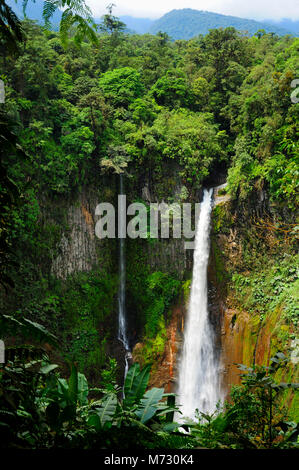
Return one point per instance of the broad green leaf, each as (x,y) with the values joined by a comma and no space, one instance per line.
(63,390)
(135,384)
(94,421)
(82,389)
(107,409)
(27,328)
(48,368)
(170,427)
(41,331)
(147,408)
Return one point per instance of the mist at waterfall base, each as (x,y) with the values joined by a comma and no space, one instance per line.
(199,384)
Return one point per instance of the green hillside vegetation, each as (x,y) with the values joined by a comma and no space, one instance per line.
(80,109)
(187,23)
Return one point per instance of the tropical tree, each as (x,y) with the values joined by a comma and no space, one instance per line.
(76,19)
(121,86)
(10,27)
(111,24)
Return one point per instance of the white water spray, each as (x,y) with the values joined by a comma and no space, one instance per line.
(199,369)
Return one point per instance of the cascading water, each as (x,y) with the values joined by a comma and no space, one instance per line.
(199,369)
(122,321)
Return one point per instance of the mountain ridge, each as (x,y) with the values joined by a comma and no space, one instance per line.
(182,23)
(187,23)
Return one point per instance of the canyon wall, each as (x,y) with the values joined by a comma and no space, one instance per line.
(245,335)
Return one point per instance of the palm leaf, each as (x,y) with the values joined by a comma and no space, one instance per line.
(82,27)
(27,328)
(48,368)
(24,5)
(63,391)
(76,19)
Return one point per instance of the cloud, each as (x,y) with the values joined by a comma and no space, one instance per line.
(253,9)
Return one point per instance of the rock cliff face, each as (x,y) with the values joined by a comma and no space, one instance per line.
(78,245)
(249,337)
(165,370)
(80,251)
(247,340)
(243,337)
(170,255)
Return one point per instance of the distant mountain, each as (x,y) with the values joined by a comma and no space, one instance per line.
(287,24)
(139,25)
(187,23)
(178,24)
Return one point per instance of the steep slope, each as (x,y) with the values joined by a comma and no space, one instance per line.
(187,23)
(253,272)
(253,297)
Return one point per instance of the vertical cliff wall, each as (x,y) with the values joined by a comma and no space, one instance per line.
(87,270)
(77,250)
(253,288)
(253,274)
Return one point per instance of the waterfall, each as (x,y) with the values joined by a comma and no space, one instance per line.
(198,386)
(122,321)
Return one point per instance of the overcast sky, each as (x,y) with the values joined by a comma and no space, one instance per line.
(253,9)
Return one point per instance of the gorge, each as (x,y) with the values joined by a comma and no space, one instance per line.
(105,336)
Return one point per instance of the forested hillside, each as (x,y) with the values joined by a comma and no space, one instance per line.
(172,118)
(178,24)
(187,23)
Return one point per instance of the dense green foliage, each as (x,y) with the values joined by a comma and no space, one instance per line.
(153,308)
(253,418)
(266,291)
(130,103)
(172,114)
(40,409)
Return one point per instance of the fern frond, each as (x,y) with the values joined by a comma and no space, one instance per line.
(49,9)
(76,19)
(24,6)
(82,28)
(65,25)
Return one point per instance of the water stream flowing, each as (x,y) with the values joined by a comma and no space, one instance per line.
(198,386)
(122,320)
